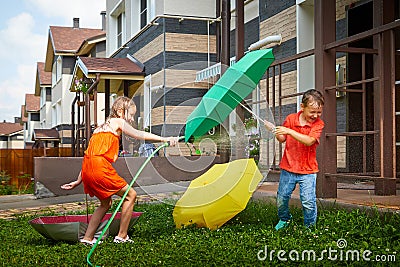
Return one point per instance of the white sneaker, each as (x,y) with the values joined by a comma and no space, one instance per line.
(89,243)
(118,239)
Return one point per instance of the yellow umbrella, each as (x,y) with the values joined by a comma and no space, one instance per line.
(218,195)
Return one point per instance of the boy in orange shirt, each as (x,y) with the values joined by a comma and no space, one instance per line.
(301,132)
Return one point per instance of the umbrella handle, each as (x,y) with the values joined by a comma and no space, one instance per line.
(258,117)
(122,200)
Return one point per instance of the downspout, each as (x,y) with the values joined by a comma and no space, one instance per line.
(218,30)
(87,109)
(224,150)
(225,34)
(163,132)
(78,133)
(73,124)
(239,53)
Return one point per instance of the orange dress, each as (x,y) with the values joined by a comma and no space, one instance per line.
(99,177)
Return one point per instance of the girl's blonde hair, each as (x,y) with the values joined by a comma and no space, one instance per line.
(121,103)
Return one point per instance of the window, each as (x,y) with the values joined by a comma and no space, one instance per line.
(35,116)
(42,97)
(48,94)
(45,96)
(54,74)
(143,13)
(119,30)
(59,68)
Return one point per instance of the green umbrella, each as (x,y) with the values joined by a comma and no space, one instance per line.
(235,85)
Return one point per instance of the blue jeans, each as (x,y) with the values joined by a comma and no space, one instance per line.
(287,184)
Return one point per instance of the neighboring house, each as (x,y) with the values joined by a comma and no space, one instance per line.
(45,138)
(11,135)
(43,90)
(63,47)
(32,110)
(111,77)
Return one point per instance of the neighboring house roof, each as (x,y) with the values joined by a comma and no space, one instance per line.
(45,134)
(67,41)
(125,66)
(89,43)
(114,69)
(24,116)
(32,103)
(43,78)
(10,128)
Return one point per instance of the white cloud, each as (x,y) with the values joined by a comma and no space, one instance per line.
(20,49)
(18,43)
(88,11)
(13,91)
(23,44)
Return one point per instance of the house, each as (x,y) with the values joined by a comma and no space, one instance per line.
(164,36)
(64,45)
(11,135)
(32,110)
(43,90)
(323,46)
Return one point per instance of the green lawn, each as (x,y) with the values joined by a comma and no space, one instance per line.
(247,240)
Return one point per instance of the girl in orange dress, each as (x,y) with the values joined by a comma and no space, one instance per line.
(98,175)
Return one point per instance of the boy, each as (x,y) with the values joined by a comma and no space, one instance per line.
(301,132)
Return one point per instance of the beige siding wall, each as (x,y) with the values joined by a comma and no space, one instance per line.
(183,78)
(175,115)
(150,50)
(176,42)
(341,152)
(190,43)
(288,87)
(283,23)
(178,78)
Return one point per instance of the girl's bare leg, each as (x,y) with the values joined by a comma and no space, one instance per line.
(96,218)
(127,209)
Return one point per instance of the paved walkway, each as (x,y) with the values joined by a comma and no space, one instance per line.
(360,195)
(349,196)
(18,205)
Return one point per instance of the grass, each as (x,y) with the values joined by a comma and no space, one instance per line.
(246,240)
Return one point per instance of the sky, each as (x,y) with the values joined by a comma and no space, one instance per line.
(24,28)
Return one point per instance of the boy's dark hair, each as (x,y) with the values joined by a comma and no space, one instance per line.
(313,95)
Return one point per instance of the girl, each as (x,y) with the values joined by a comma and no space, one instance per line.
(98,175)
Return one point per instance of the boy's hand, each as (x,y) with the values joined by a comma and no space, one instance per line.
(280,130)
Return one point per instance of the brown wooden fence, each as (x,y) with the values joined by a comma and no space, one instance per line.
(18,163)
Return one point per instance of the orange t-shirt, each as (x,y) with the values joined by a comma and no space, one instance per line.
(297,157)
(99,177)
